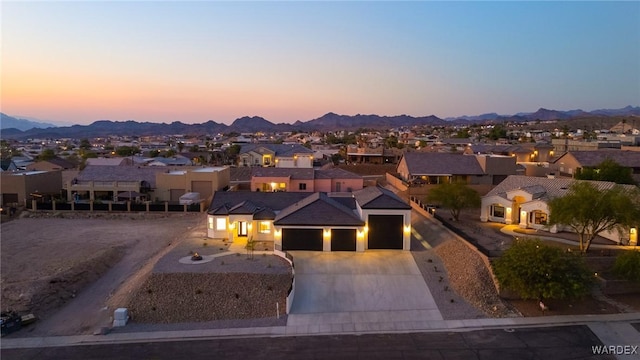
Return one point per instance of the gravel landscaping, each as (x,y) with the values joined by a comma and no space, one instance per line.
(458,279)
(232,286)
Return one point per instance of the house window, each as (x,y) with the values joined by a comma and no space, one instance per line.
(210,223)
(497,211)
(264,227)
(221,224)
(539,218)
(302,186)
(266,160)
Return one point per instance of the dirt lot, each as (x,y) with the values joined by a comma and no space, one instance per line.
(46,262)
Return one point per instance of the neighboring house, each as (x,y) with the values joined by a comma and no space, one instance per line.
(365,155)
(111,183)
(275,155)
(526,152)
(114,161)
(563,145)
(523,200)
(304,180)
(371,218)
(177,160)
(18,187)
(574,161)
(51,165)
(8,165)
(170,185)
(437,168)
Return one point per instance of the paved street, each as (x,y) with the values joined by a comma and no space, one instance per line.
(567,342)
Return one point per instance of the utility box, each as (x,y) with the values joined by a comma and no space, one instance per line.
(120,317)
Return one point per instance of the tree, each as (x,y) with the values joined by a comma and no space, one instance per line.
(589,211)
(455,197)
(126,150)
(463,134)
(627,266)
(85,144)
(47,154)
(180,145)
(194,148)
(608,170)
(497,132)
(537,271)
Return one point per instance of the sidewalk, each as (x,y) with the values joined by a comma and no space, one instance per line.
(328,325)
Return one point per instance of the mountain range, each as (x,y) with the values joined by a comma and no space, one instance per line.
(14,128)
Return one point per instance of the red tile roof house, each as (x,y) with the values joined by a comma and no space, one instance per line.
(272,179)
(522,200)
(370,218)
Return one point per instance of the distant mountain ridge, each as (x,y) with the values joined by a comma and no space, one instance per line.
(327,122)
(8,122)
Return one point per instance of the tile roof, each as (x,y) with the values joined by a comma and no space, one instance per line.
(245,207)
(65,164)
(284,150)
(240,174)
(432,163)
(374,197)
(593,158)
(116,161)
(335,173)
(274,201)
(543,188)
(293,173)
(120,173)
(318,209)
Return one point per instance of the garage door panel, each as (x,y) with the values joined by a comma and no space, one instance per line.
(302,239)
(385,231)
(343,240)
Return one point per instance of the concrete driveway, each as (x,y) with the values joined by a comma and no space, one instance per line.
(348,287)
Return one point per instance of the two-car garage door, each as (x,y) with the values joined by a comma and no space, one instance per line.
(311,239)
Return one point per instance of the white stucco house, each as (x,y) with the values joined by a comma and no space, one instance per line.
(523,201)
(371,218)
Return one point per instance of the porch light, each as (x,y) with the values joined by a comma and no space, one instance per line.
(360,234)
(632,231)
(366,229)
(508,211)
(277,232)
(523,214)
(327,233)
(232,225)
(273,186)
(250,226)
(407,229)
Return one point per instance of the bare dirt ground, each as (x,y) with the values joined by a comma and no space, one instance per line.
(67,270)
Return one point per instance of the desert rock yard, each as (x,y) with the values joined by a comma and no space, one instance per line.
(229,286)
(47,261)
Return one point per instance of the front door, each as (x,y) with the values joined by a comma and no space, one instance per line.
(242,228)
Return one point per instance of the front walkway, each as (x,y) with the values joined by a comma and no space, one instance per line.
(510,230)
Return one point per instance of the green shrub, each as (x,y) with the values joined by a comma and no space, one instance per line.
(627,266)
(537,271)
